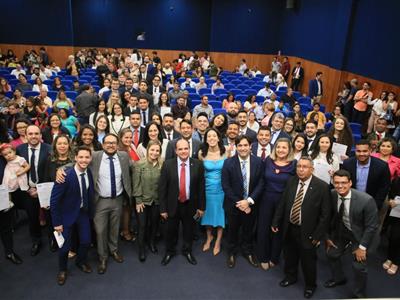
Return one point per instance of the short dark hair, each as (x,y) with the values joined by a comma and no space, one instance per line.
(263,127)
(110,134)
(201,114)
(168,115)
(185,121)
(135,112)
(242,137)
(342,173)
(363,142)
(181,139)
(83,148)
(312,122)
(318,73)
(234,122)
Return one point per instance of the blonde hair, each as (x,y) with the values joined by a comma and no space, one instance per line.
(110,103)
(152,143)
(290,155)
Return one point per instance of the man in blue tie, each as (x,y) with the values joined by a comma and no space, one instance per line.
(71,205)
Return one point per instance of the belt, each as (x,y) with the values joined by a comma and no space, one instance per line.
(110,197)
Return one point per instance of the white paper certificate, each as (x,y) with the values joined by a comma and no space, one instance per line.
(339,150)
(4,198)
(44,193)
(322,172)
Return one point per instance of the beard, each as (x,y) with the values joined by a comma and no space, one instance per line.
(232,114)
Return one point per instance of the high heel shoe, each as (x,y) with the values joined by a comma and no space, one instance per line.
(207,245)
(216,250)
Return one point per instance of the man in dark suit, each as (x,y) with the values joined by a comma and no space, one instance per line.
(262,147)
(132,105)
(288,97)
(354,228)
(368,174)
(142,93)
(242,182)
(297,76)
(186,128)
(155,89)
(311,132)
(71,205)
(145,111)
(182,199)
(242,119)
(85,103)
(127,87)
(168,131)
(277,122)
(144,75)
(315,89)
(303,218)
(36,154)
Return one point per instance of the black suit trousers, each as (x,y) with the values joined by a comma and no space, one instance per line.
(295,84)
(22,200)
(293,252)
(184,214)
(239,220)
(6,233)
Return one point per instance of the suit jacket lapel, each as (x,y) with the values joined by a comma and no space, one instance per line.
(252,173)
(238,167)
(310,190)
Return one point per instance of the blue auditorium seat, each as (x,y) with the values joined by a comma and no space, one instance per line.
(251,92)
(236,91)
(52,95)
(220,91)
(31,94)
(241,97)
(355,128)
(219,111)
(243,86)
(211,97)
(190,90)
(71,94)
(194,96)
(204,91)
(229,86)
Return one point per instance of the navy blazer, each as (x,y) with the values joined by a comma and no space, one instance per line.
(313,88)
(378,182)
(65,201)
(281,135)
(45,150)
(232,181)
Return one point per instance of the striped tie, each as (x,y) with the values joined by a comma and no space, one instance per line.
(296,208)
(244,175)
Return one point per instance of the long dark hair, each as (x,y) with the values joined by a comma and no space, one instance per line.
(146,137)
(97,110)
(204,147)
(316,150)
(113,113)
(222,129)
(345,136)
(304,137)
(95,142)
(107,130)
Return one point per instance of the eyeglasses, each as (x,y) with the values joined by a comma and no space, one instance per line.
(110,143)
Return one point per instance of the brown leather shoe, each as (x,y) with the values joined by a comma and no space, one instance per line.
(102,266)
(252,260)
(117,257)
(85,268)
(61,278)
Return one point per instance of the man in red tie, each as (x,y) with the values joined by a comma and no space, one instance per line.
(182,199)
(262,147)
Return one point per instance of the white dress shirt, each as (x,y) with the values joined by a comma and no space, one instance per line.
(78,173)
(247,165)
(104,179)
(267,150)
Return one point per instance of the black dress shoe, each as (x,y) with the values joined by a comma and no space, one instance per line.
(117,257)
(14,258)
(286,282)
(53,246)
(102,267)
(153,248)
(190,258)
(85,268)
(142,255)
(252,260)
(231,261)
(61,278)
(167,258)
(35,249)
(309,292)
(332,283)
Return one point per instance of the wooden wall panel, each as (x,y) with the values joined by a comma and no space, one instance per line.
(333,79)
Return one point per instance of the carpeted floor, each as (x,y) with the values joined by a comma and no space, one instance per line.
(209,279)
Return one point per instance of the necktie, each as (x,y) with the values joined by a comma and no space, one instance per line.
(136,137)
(84,192)
(182,184)
(263,153)
(342,216)
(112,176)
(244,175)
(169,136)
(296,208)
(144,117)
(33,166)
(379,136)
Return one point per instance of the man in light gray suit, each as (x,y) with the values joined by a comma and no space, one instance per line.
(186,129)
(111,171)
(354,227)
(112,177)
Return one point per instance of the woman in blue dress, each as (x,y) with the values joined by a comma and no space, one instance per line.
(213,155)
(279,168)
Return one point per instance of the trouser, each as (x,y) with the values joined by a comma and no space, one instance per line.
(6,234)
(148,219)
(295,84)
(358,116)
(394,240)
(344,245)
(269,244)
(237,220)
(106,222)
(49,223)
(348,110)
(293,252)
(184,214)
(83,225)
(22,200)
